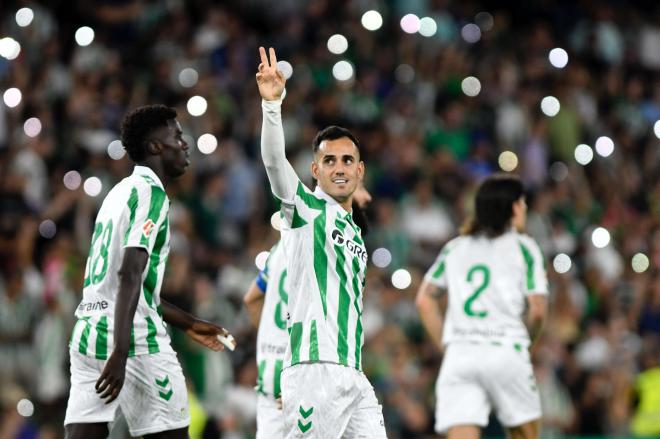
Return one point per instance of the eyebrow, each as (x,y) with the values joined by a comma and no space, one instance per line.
(344,156)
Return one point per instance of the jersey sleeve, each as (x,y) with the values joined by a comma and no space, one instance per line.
(535,279)
(146,213)
(302,209)
(437,274)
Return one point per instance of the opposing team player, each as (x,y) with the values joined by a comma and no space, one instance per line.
(497,289)
(120,351)
(324,392)
(266,302)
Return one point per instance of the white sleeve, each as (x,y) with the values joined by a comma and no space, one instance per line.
(535,277)
(282,177)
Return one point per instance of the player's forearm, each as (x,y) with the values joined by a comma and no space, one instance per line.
(273,152)
(127,301)
(433,322)
(175,316)
(254,303)
(534,327)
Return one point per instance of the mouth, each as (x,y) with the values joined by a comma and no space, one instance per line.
(340,180)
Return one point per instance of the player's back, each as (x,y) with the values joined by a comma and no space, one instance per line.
(488,280)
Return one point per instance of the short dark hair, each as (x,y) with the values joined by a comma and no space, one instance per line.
(138,126)
(493,205)
(333,132)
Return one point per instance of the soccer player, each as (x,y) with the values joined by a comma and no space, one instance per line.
(324,392)
(497,287)
(266,304)
(120,351)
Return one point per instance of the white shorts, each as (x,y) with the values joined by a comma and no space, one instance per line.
(475,378)
(329,401)
(154,397)
(270,419)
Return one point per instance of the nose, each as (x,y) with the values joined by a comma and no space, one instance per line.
(184,145)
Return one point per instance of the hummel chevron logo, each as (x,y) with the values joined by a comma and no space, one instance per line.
(306,413)
(166,396)
(163,384)
(304,427)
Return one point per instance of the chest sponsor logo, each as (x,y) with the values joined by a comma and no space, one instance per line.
(147,228)
(353,247)
(93,306)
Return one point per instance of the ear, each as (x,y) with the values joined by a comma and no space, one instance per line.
(154,147)
(315,170)
(360,170)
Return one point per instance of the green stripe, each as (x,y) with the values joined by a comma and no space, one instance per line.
(295,337)
(343,305)
(441,268)
(529,261)
(260,377)
(313,343)
(151,336)
(358,327)
(156,205)
(151,280)
(132,207)
(276,379)
(102,338)
(82,346)
(309,199)
(131,346)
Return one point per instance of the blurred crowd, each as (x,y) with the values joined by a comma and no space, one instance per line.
(426,144)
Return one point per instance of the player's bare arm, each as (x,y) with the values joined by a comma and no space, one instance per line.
(203,332)
(111,380)
(254,303)
(537,310)
(430,311)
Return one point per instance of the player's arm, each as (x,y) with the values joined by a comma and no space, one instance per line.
(282,177)
(203,332)
(111,380)
(537,310)
(254,302)
(428,302)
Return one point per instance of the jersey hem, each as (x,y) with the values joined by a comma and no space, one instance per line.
(160,428)
(322,362)
(88,420)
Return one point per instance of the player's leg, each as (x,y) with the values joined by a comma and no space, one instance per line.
(270,419)
(464,432)
(84,431)
(528,430)
(154,399)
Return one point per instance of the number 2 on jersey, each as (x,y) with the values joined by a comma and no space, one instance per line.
(99,255)
(467,306)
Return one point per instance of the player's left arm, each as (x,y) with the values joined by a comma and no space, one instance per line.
(536,288)
(537,310)
(203,332)
(428,302)
(254,302)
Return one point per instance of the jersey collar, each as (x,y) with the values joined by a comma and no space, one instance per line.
(147,171)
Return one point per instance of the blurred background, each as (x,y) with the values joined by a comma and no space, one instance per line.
(441,93)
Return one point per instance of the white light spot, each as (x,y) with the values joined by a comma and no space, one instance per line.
(9,48)
(286,68)
(381,257)
(484,20)
(188,77)
(401,279)
(261,259)
(558,57)
(24,17)
(600,237)
(116,150)
(640,263)
(47,229)
(471,86)
(92,186)
(12,97)
(562,263)
(404,73)
(32,127)
(471,33)
(84,36)
(72,180)
(337,44)
(207,143)
(583,154)
(508,161)
(25,408)
(604,146)
(656,128)
(342,71)
(276,220)
(372,20)
(550,106)
(558,171)
(427,27)
(196,106)
(410,23)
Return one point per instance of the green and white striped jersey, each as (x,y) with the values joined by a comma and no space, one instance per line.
(488,281)
(272,336)
(133,214)
(326,266)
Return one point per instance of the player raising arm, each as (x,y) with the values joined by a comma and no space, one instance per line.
(324,392)
(497,288)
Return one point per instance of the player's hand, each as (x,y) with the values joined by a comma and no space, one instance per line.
(270,80)
(206,334)
(111,380)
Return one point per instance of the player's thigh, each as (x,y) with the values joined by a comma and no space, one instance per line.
(366,421)
(84,405)
(317,400)
(85,431)
(181,433)
(512,386)
(464,432)
(460,397)
(270,419)
(154,398)
(528,430)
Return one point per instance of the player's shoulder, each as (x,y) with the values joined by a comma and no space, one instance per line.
(526,242)
(455,243)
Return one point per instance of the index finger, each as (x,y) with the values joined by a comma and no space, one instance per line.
(262,54)
(273,58)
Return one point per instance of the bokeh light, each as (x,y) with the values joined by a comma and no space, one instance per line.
(600,237)
(604,146)
(656,128)
(342,70)
(404,73)
(25,408)
(381,257)
(207,143)
(558,57)
(427,27)
(550,106)
(471,86)
(286,68)
(84,36)
(471,33)
(372,20)
(401,279)
(196,106)
(72,180)
(24,17)
(508,161)
(92,186)
(640,263)
(188,77)
(9,48)
(410,23)
(47,229)
(558,171)
(276,220)
(32,127)
(562,263)
(337,44)
(116,150)
(484,20)
(583,154)
(12,97)
(261,259)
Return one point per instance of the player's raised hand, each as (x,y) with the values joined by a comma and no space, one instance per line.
(270,80)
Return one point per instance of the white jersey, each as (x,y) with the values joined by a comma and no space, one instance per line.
(272,336)
(133,214)
(488,281)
